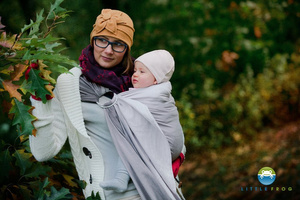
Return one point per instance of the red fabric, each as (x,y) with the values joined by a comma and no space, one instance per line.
(177,163)
(48,97)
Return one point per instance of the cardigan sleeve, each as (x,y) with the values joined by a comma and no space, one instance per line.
(51,129)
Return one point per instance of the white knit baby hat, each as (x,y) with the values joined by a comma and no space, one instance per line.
(161,64)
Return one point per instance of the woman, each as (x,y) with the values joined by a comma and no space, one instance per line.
(74,113)
(106,61)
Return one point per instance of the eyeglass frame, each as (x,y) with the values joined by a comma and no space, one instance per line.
(110,43)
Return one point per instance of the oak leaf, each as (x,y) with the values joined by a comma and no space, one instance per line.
(10,42)
(22,116)
(22,160)
(45,73)
(15,73)
(12,89)
(36,85)
(18,71)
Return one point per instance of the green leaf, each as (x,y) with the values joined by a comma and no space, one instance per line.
(55,8)
(63,69)
(22,160)
(34,26)
(40,195)
(61,194)
(26,87)
(56,58)
(81,183)
(65,155)
(94,197)
(37,170)
(22,116)
(26,27)
(38,85)
(49,47)
(40,43)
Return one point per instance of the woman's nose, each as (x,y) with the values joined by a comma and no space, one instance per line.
(109,49)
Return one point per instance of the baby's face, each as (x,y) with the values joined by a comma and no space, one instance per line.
(142,77)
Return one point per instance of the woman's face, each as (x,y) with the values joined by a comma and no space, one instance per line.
(142,76)
(107,57)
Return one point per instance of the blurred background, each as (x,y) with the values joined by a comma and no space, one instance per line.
(236,85)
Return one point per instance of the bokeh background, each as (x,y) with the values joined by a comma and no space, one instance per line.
(236,85)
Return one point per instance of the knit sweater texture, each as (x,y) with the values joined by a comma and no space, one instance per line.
(62,118)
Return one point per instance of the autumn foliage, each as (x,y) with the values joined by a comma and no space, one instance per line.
(27,62)
(236,86)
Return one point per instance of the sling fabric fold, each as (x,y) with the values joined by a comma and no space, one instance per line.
(137,121)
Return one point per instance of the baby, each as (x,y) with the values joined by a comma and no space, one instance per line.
(153,69)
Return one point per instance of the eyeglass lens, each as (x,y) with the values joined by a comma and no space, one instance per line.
(116,46)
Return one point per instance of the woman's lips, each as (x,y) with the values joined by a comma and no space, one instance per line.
(106,59)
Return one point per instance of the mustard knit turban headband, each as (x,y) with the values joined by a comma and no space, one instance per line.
(114,23)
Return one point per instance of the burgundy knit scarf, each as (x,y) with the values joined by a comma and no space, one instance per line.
(112,78)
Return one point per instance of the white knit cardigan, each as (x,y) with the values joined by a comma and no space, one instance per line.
(62,118)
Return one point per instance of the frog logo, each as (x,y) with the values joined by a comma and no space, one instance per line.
(266,175)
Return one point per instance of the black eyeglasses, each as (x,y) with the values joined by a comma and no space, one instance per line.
(116,46)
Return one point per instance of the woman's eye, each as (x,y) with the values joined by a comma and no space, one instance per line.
(102,40)
(118,44)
